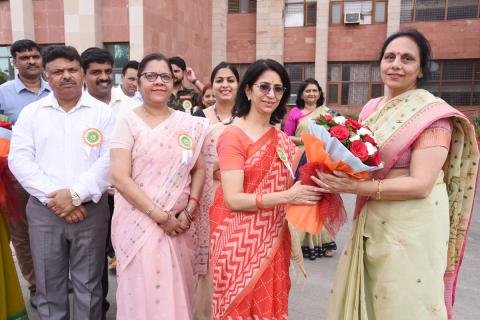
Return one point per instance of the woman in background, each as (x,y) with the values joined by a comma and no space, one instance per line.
(206,99)
(310,105)
(225,80)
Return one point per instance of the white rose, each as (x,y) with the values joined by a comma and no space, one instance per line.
(371,149)
(339,119)
(355,137)
(364,131)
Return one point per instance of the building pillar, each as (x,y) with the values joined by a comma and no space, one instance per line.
(136,32)
(321,43)
(219,31)
(83,23)
(21,17)
(270,30)
(393,23)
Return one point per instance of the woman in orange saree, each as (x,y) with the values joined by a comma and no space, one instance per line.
(250,241)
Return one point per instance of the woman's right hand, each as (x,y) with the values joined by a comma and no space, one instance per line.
(304,195)
(168,222)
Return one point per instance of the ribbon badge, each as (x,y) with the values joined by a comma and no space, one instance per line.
(186,143)
(282,156)
(92,137)
(187,105)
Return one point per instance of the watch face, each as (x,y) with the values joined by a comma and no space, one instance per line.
(76,202)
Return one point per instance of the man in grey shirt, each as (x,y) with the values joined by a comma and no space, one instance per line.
(28,86)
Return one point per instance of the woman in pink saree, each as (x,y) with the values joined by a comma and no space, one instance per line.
(158,171)
(411,220)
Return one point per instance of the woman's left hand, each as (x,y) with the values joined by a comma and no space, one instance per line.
(184,221)
(338,182)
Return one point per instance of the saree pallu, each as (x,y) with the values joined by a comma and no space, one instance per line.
(403,257)
(155,271)
(250,251)
(12,306)
(303,122)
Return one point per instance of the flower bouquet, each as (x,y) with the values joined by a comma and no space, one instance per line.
(335,143)
(8,196)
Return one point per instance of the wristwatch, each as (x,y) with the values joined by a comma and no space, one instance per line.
(76,201)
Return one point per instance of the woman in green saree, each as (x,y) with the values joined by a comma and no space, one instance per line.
(309,105)
(403,256)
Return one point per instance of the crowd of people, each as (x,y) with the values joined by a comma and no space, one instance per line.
(182,190)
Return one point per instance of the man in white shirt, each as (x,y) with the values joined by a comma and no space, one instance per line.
(60,155)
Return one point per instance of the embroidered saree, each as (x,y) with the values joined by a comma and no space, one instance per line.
(250,251)
(155,272)
(402,258)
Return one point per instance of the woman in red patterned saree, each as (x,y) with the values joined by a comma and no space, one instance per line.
(250,241)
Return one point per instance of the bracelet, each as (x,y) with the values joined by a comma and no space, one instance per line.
(194,200)
(150,211)
(188,215)
(378,195)
(169,216)
(259,201)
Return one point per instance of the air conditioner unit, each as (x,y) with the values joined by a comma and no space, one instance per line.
(352,18)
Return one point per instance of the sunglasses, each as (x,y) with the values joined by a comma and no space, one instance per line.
(265,88)
(152,76)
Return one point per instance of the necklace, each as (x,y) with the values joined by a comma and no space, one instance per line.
(218,117)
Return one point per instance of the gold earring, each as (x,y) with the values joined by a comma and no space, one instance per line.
(420,76)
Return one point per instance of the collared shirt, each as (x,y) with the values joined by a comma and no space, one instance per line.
(14,96)
(121,103)
(52,149)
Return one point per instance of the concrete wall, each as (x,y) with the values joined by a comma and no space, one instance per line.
(49,21)
(5,23)
(299,44)
(115,26)
(241,37)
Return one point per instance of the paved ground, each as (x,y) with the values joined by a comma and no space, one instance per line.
(308,298)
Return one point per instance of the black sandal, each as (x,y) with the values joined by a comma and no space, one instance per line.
(319,252)
(312,254)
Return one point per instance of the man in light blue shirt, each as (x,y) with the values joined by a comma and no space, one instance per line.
(27,87)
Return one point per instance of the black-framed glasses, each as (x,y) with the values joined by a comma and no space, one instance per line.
(152,76)
(265,87)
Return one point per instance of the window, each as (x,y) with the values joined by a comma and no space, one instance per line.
(120,53)
(353,83)
(298,72)
(430,10)
(242,6)
(241,68)
(368,11)
(6,66)
(299,13)
(455,81)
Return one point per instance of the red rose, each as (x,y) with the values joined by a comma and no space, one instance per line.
(374,159)
(354,124)
(328,117)
(368,138)
(359,150)
(340,132)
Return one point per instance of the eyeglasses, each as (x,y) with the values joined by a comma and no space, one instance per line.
(265,88)
(152,76)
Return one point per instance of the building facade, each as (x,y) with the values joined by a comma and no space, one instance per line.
(335,41)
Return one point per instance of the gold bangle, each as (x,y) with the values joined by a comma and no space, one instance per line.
(378,195)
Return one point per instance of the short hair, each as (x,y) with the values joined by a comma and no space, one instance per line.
(132,64)
(60,51)
(156,56)
(224,65)
(300,102)
(423,48)
(22,46)
(254,71)
(178,62)
(95,55)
